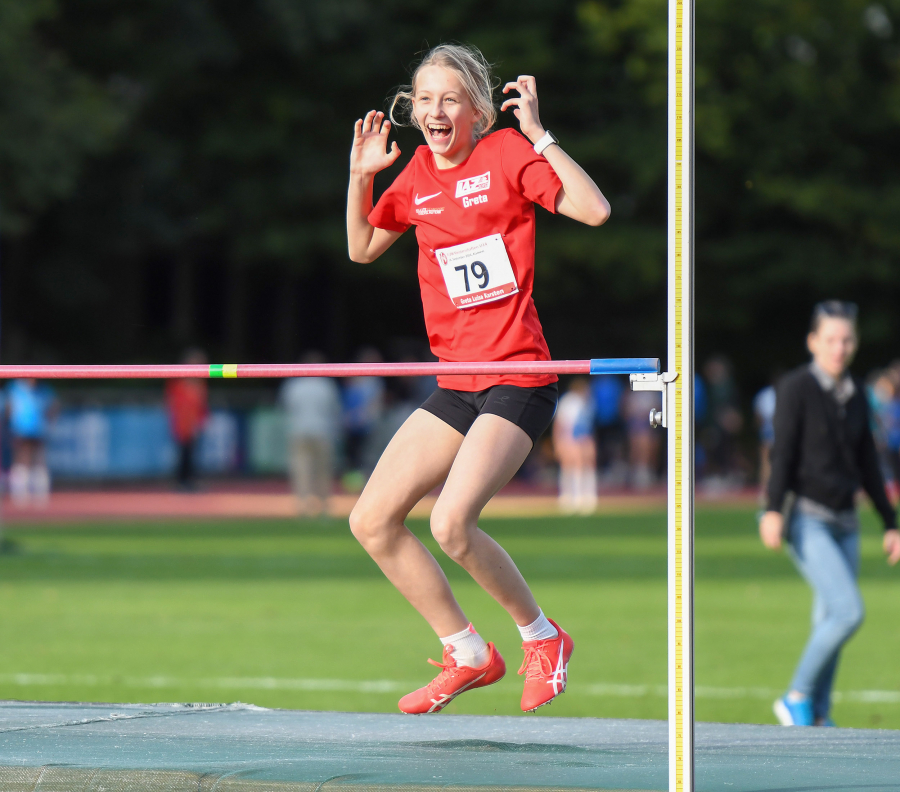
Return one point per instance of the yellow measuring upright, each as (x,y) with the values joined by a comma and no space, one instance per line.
(680,394)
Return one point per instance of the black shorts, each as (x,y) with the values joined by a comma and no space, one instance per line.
(531,409)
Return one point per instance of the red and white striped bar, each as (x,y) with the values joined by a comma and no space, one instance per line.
(281,370)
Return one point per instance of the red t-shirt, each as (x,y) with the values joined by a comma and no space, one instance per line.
(492,192)
(186,400)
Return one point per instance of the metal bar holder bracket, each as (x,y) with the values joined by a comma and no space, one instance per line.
(655,382)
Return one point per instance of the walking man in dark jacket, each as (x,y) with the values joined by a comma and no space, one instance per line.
(823,453)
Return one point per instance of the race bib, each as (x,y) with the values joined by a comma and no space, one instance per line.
(477,272)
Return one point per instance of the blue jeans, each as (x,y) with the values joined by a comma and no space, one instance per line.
(827,555)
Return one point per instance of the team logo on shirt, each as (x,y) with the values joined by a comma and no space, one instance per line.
(431,210)
(420,201)
(473,184)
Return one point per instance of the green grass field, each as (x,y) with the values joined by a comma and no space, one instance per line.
(293,614)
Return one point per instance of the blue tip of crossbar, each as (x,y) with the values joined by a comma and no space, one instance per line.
(625,366)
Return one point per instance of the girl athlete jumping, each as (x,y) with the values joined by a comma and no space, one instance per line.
(471,196)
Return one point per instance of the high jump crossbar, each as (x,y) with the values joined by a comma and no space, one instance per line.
(637,366)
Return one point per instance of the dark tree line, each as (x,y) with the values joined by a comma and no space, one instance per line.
(173,172)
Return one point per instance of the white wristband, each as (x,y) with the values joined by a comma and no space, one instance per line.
(547,140)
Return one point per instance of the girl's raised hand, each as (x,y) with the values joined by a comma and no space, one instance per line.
(370,153)
(526,106)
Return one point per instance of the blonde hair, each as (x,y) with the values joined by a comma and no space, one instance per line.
(474,73)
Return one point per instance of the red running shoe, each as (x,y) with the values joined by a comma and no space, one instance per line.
(545,667)
(452,681)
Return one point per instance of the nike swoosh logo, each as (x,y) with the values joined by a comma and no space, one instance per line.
(420,201)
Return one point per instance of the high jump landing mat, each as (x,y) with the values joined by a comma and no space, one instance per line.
(241,748)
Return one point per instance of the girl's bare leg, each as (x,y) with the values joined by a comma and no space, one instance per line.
(416,461)
(491,453)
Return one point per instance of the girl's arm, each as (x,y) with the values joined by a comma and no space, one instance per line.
(368,156)
(580,198)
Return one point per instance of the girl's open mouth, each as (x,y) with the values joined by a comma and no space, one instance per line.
(438,132)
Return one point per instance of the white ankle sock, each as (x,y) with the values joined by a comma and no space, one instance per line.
(567,491)
(539,630)
(40,483)
(587,490)
(468,648)
(18,484)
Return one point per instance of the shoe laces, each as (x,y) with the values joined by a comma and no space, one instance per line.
(448,668)
(537,662)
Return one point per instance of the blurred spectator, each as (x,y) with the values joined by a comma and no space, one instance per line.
(30,406)
(701,402)
(880,393)
(700,408)
(723,423)
(400,399)
(363,407)
(575,449)
(313,409)
(892,430)
(186,400)
(610,428)
(415,389)
(764,412)
(643,439)
(884,401)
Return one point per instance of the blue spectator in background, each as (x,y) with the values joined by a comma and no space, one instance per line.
(363,407)
(884,402)
(30,407)
(701,402)
(610,427)
(892,436)
(573,442)
(700,408)
(764,412)
(722,425)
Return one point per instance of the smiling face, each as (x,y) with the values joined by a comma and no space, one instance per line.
(445,114)
(833,345)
